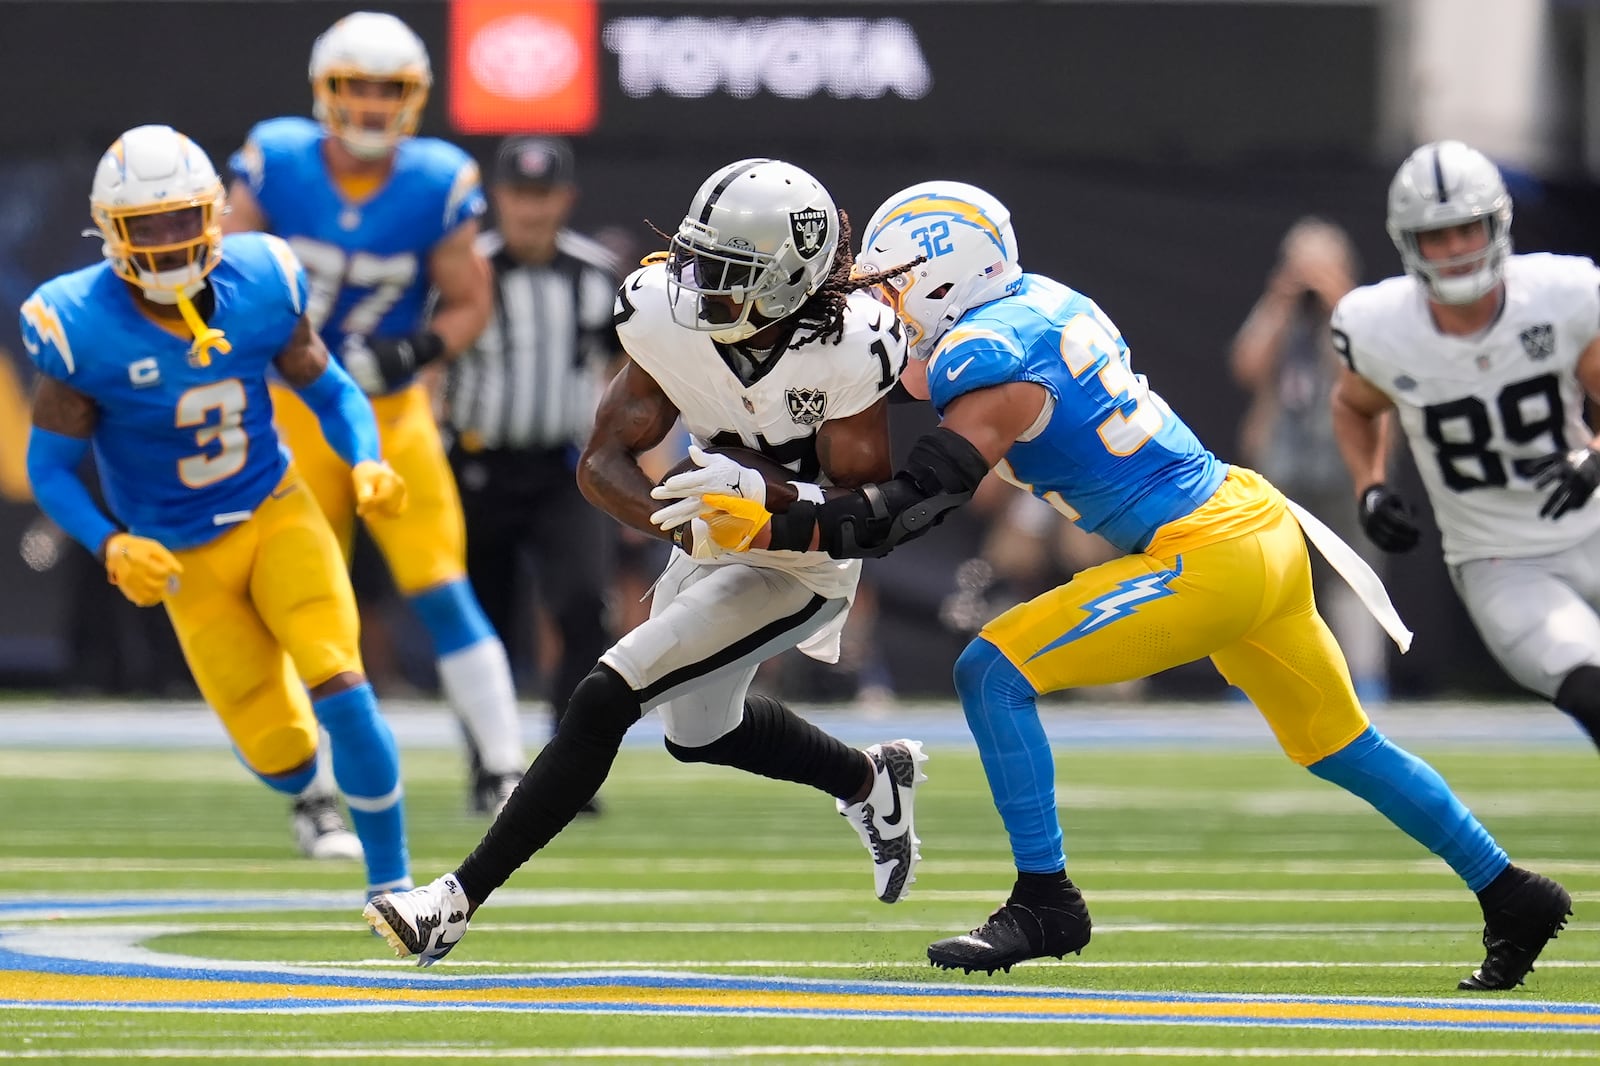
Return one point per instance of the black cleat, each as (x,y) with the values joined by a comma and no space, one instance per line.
(1530,916)
(489,792)
(1017,932)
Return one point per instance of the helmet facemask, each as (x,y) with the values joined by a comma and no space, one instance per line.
(1443,283)
(369,115)
(165,249)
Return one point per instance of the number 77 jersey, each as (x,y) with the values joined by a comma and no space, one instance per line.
(1480,412)
(1106,452)
(366,258)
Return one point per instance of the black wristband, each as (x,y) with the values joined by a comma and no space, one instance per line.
(426,346)
(791,530)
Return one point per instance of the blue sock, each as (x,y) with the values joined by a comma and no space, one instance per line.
(367,767)
(290,784)
(1413,796)
(452,617)
(1003,714)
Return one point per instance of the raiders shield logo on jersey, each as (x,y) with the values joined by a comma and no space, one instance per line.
(810,229)
(1539,341)
(806,406)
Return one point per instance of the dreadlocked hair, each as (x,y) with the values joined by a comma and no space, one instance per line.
(827,304)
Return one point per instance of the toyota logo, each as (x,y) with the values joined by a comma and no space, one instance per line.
(523,57)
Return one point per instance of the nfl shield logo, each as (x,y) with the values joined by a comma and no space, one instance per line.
(1539,341)
(806,406)
(810,230)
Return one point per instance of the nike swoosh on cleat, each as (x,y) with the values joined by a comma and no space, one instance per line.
(955,371)
(893,817)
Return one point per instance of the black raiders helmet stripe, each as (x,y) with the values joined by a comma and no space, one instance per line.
(1438,177)
(722,187)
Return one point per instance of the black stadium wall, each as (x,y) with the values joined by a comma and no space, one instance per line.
(1152,155)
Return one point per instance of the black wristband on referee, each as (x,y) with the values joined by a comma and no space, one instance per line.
(791,530)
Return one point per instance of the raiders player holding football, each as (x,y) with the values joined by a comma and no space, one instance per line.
(1487,356)
(752,329)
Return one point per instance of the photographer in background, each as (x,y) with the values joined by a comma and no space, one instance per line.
(1283,354)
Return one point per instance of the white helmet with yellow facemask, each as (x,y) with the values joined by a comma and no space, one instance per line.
(157,207)
(369,79)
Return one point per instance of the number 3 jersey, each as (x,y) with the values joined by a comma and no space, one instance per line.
(1479,412)
(1106,451)
(366,259)
(775,409)
(183,451)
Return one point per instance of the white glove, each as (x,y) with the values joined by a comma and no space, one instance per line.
(715,473)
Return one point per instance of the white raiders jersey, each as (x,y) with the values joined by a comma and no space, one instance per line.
(1479,412)
(779,412)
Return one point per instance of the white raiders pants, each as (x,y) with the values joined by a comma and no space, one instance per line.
(709,628)
(1537,615)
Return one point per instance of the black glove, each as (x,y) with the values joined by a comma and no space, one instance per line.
(1387,520)
(1572,477)
(383,364)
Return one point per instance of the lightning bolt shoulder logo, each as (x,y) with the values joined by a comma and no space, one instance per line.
(47,324)
(1123,600)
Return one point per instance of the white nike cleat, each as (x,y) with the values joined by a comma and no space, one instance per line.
(426,922)
(320,831)
(883,820)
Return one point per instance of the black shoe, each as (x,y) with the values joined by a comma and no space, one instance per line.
(592,808)
(1529,917)
(1017,932)
(489,792)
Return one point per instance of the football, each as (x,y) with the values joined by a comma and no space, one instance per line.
(780,494)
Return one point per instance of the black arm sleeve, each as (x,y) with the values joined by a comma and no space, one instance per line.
(941,473)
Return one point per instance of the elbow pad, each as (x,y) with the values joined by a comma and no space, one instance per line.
(941,473)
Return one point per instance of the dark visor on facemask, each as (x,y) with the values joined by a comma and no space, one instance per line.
(721,272)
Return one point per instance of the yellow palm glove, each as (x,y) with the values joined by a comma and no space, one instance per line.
(379,490)
(141,568)
(734,521)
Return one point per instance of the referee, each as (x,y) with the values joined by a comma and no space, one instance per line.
(521,403)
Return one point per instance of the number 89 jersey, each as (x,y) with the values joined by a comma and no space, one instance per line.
(1479,412)
(366,260)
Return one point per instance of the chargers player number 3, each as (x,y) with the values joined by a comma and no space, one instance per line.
(194,409)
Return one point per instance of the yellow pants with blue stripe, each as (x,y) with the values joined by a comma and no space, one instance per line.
(1231,581)
(259,610)
(426,545)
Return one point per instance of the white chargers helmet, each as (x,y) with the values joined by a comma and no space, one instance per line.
(760,232)
(369,80)
(968,248)
(1446,184)
(157,205)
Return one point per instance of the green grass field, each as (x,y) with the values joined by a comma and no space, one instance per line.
(151,908)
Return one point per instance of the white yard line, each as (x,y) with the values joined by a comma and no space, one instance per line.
(767,1053)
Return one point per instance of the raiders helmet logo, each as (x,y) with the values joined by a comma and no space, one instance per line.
(806,406)
(810,229)
(1539,341)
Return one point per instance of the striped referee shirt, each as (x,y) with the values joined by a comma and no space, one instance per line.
(534,377)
